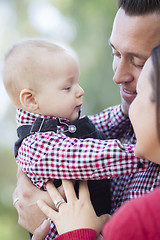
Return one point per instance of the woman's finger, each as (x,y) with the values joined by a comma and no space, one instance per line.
(53,192)
(83,190)
(105,218)
(48,211)
(69,190)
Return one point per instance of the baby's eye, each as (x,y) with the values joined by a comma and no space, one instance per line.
(116,54)
(67,88)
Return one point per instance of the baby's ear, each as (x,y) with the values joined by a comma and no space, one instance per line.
(28,100)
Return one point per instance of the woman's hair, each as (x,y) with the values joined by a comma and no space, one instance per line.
(139,7)
(155,56)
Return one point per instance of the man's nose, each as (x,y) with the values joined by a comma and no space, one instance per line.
(122,71)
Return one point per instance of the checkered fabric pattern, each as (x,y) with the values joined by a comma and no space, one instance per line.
(54,155)
(133,185)
(49,155)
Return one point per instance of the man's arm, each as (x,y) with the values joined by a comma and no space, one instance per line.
(112,122)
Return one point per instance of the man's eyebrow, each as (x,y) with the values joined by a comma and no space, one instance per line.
(137,55)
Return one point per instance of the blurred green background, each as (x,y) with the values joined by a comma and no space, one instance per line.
(84,26)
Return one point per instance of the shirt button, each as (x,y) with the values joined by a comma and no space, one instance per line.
(72,128)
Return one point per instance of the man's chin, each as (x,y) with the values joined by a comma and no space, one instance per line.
(136,151)
(125,107)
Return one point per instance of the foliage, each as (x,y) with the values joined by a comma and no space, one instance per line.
(92,21)
(9,228)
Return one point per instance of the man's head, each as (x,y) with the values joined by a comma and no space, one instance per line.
(136,31)
(43,78)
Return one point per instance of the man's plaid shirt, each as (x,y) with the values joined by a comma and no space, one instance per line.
(130,186)
(115,125)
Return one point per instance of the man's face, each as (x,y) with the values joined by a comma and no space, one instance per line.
(132,40)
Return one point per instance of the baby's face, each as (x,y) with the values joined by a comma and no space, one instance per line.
(60,94)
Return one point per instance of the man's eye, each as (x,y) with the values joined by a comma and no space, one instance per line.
(138,65)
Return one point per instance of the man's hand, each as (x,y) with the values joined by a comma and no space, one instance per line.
(30,216)
(41,232)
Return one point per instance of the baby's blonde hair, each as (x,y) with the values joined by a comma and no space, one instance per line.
(21,67)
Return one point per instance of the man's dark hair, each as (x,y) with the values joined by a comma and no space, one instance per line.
(139,7)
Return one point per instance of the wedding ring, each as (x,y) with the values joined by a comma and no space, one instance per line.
(58,203)
(15,200)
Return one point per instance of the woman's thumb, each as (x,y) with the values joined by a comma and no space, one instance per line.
(105,218)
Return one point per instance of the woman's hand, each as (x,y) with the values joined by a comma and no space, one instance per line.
(74,214)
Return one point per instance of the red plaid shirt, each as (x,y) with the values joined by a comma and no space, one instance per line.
(49,155)
(130,186)
(43,156)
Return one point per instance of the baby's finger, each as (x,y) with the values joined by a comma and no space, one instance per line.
(49,212)
(69,190)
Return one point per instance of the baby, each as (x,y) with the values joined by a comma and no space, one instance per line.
(41,79)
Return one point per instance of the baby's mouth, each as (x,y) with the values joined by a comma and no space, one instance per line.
(79,106)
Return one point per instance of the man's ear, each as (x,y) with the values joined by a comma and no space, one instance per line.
(28,100)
